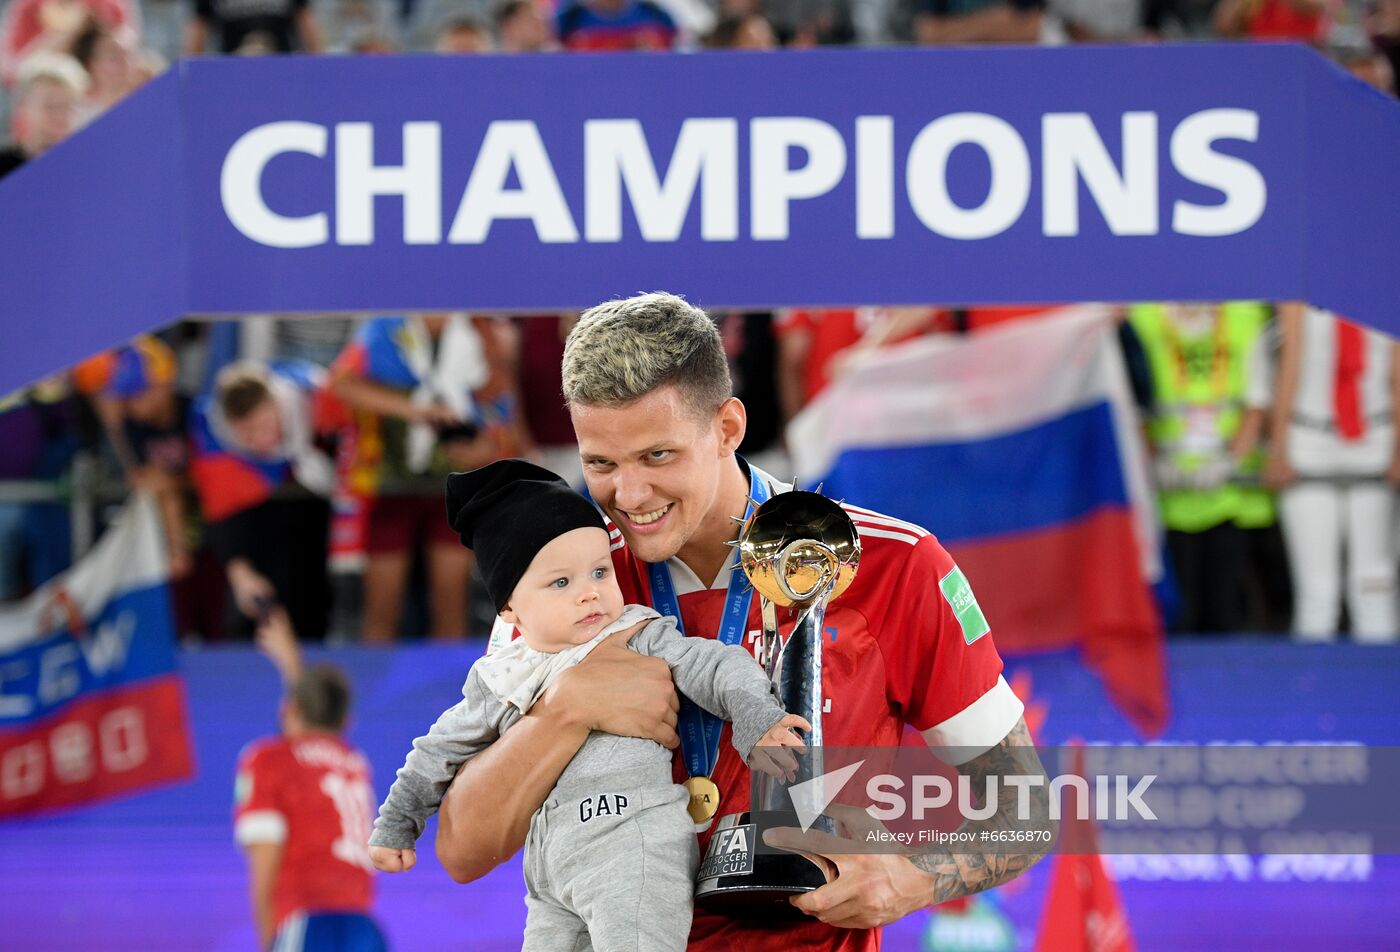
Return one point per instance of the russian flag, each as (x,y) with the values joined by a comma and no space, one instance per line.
(1020,448)
(91,701)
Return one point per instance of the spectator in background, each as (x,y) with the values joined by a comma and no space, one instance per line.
(747,32)
(463,35)
(280,26)
(1200,359)
(812,344)
(1384,28)
(1333,457)
(608,25)
(34,26)
(303,811)
(752,353)
(255,434)
(431,395)
(148,64)
(1177,20)
(46,98)
(372,44)
(947,22)
(522,28)
(1299,20)
(110,59)
(1095,21)
(37,426)
(1370,66)
(542,394)
(313,338)
(132,391)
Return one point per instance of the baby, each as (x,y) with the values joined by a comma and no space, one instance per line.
(611,856)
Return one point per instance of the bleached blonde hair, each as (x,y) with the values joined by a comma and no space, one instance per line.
(622,350)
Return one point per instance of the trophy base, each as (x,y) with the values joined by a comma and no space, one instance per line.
(738,880)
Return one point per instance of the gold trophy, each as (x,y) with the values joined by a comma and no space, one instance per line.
(800,551)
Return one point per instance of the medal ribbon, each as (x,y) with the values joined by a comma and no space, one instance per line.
(699,729)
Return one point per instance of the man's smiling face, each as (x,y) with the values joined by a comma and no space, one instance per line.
(654,466)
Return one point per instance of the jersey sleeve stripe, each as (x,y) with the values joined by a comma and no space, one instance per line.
(867,532)
(873,519)
(978,727)
(891,523)
(260,826)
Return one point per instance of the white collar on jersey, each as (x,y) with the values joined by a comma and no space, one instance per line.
(686,581)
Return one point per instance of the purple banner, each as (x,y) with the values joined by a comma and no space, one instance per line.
(812,178)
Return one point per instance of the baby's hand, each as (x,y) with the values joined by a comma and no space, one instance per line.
(392,861)
(769,754)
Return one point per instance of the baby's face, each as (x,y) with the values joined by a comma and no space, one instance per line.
(568,594)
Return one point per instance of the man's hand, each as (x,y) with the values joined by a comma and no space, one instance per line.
(1392,472)
(388,860)
(278,640)
(434,414)
(249,587)
(873,881)
(1278,472)
(864,889)
(614,690)
(618,691)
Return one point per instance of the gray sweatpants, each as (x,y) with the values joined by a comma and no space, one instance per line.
(610,866)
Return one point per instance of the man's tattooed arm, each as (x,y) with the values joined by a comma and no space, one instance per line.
(977,865)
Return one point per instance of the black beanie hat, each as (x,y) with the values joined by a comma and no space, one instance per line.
(506,512)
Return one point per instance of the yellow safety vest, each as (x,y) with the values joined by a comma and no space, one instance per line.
(1199,405)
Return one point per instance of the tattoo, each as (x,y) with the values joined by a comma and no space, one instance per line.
(965,871)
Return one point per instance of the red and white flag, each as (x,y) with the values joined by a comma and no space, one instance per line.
(92,703)
(1082,910)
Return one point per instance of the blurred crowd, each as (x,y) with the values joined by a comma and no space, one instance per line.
(298,463)
(63,62)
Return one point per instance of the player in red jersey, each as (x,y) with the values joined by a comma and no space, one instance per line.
(648,390)
(302,813)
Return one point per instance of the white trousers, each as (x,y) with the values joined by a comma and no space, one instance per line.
(1349,522)
(1321,518)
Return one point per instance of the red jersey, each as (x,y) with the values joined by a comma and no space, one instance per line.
(1279,20)
(834,331)
(906,644)
(312,794)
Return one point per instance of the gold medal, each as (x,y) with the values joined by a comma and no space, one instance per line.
(704,798)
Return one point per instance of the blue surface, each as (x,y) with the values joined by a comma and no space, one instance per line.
(159,870)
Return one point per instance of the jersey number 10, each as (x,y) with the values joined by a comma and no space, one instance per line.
(351,797)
